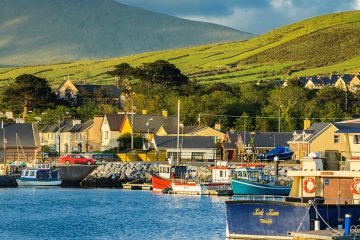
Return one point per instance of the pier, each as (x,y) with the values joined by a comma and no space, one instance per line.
(137,186)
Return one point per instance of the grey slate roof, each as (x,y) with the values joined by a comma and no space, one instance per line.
(302,80)
(229,146)
(233,136)
(347,127)
(347,78)
(92,90)
(25,132)
(82,127)
(115,121)
(157,121)
(267,139)
(316,128)
(193,142)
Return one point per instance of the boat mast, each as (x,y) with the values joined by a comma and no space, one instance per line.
(4,142)
(178,133)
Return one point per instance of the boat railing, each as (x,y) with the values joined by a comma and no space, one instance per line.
(338,200)
(259,197)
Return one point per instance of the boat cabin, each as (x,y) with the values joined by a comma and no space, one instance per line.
(168,171)
(251,174)
(222,172)
(332,187)
(39,174)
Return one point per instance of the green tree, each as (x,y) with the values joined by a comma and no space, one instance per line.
(244,123)
(125,141)
(28,92)
(125,75)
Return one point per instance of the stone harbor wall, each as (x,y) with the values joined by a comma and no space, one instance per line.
(116,173)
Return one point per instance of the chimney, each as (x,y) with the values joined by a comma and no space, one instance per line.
(143,112)
(217,126)
(307,123)
(165,113)
(75,122)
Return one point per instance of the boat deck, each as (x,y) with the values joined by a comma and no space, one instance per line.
(137,186)
(320,234)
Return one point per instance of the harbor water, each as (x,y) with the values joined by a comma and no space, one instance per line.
(75,213)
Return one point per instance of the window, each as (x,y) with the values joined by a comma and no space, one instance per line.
(27,173)
(221,173)
(197,155)
(356,139)
(336,138)
(32,173)
(106,134)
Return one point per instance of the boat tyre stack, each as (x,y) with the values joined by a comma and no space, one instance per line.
(355,186)
(309,185)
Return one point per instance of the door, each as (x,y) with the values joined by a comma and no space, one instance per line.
(337,190)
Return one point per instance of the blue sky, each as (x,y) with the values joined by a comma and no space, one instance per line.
(256,16)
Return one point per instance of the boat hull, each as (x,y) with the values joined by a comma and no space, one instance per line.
(244,187)
(159,183)
(189,188)
(22,182)
(262,219)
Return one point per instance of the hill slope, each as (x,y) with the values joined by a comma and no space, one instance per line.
(45,31)
(318,45)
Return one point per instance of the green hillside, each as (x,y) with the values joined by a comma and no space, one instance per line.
(49,31)
(319,45)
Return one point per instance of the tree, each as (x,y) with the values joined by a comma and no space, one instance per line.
(163,73)
(125,75)
(125,141)
(243,123)
(28,92)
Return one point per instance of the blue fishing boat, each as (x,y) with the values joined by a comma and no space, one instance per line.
(252,181)
(283,153)
(320,199)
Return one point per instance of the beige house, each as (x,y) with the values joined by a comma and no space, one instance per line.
(202,131)
(343,82)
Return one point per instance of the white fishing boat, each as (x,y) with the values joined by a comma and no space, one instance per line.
(39,175)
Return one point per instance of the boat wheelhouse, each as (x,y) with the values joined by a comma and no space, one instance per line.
(167,173)
(42,176)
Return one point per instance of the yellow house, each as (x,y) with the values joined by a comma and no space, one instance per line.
(334,139)
(354,85)
(202,131)
(343,82)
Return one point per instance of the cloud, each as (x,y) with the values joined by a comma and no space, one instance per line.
(256,16)
(281,4)
(356,5)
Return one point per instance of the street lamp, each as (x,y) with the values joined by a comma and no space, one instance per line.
(148,132)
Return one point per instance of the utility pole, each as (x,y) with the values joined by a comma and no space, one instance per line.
(132,124)
(178,133)
(59,135)
(279,120)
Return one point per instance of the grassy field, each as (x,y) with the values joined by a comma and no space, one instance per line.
(320,45)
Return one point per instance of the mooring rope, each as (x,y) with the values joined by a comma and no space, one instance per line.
(312,203)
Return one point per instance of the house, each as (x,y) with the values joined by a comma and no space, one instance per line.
(343,82)
(73,135)
(354,85)
(75,93)
(190,147)
(333,139)
(314,83)
(261,142)
(204,131)
(112,127)
(229,146)
(22,142)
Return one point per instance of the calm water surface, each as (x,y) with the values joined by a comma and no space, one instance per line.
(67,213)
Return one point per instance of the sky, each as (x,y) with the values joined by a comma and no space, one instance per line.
(255,16)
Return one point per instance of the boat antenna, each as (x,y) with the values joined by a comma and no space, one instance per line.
(22,150)
(4,142)
(178,133)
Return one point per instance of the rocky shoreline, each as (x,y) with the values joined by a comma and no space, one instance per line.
(117,173)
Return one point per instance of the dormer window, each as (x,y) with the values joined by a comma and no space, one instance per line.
(356,139)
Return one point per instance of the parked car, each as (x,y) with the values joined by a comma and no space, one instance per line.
(76,159)
(105,157)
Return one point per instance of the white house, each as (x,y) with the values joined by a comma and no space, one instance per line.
(190,147)
(110,130)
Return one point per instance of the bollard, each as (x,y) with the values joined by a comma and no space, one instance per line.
(316,225)
(347,224)
(276,162)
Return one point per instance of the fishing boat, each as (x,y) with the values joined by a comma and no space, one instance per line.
(252,181)
(218,185)
(319,199)
(283,153)
(39,175)
(167,174)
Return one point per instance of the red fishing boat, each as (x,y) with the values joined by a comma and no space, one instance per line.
(167,174)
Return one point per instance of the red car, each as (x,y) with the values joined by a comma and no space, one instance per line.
(76,159)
